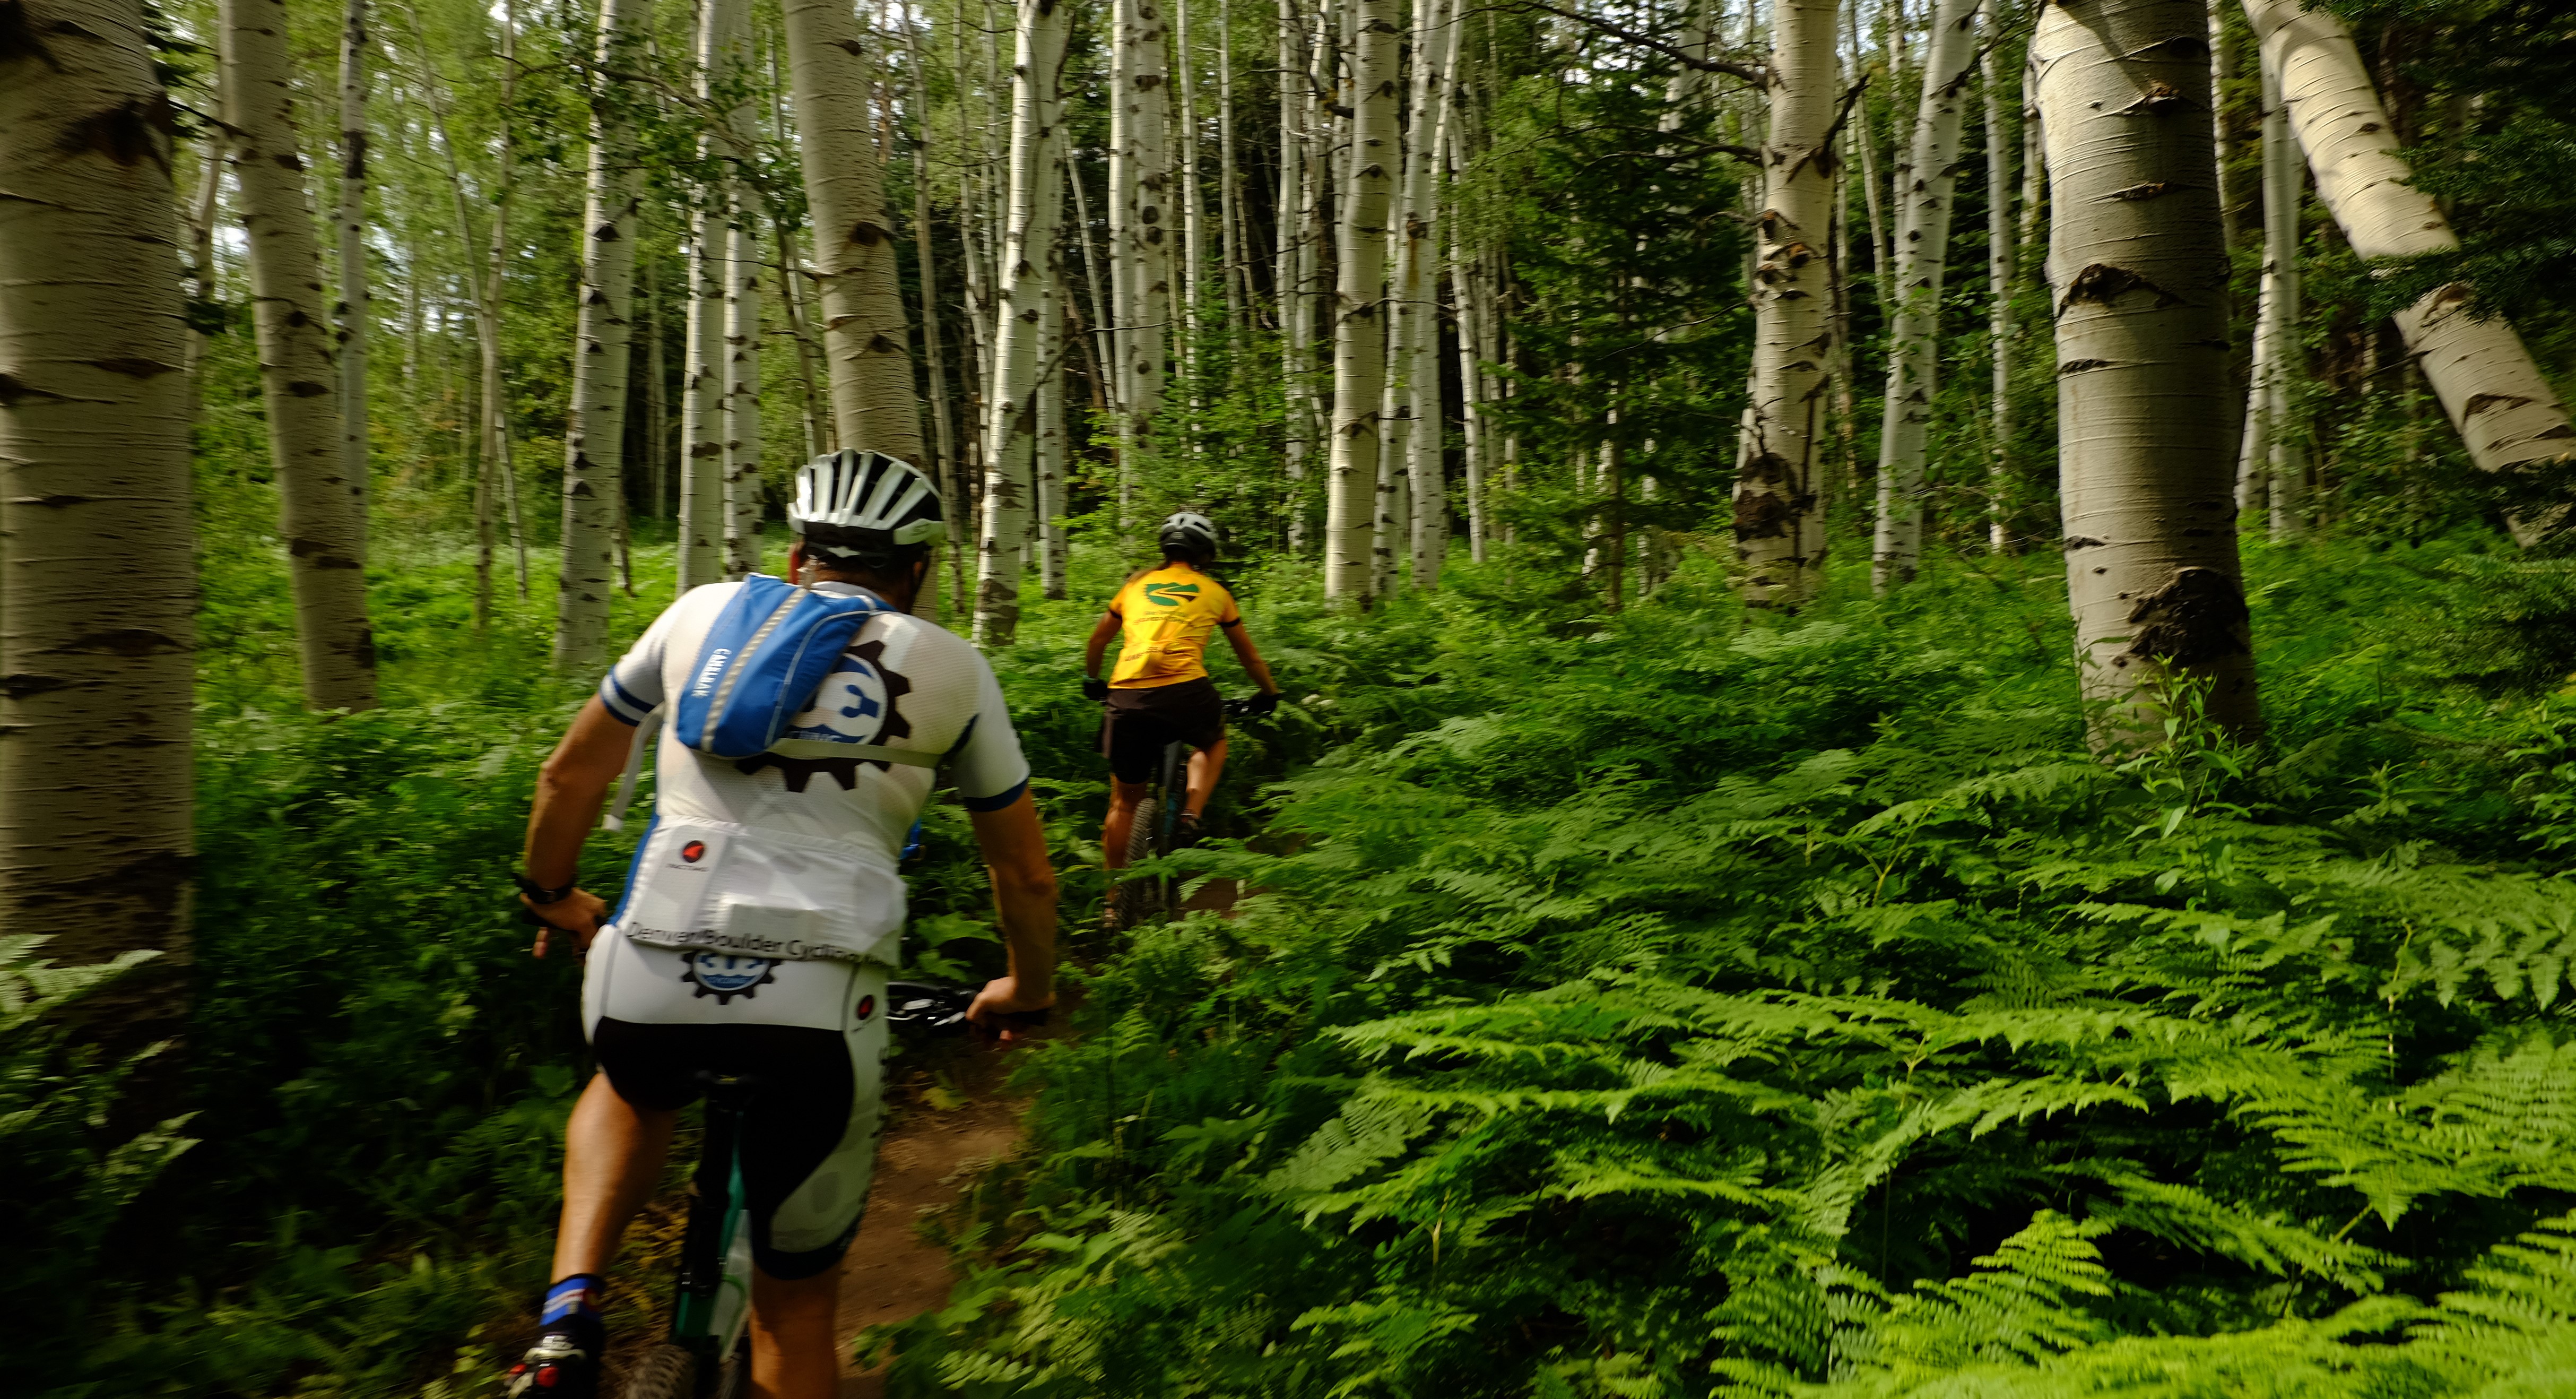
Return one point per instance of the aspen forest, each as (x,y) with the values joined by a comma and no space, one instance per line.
(1928,653)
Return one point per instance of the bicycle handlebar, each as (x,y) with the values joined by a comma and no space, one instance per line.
(934,1008)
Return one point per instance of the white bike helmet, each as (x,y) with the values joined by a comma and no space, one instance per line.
(1187,529)
(864,508)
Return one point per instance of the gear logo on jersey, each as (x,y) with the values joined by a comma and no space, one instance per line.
(725,976)
(693,852)
(849,706)
(1170,594)
(860,701)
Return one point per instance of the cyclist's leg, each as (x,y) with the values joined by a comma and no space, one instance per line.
(1123,797)
(1206,765)
(794,1353)
(613,1154)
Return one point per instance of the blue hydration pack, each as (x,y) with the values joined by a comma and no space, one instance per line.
(764,658)
(768,652)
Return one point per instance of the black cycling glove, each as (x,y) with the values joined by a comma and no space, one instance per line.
(1262,704)
(1094,688)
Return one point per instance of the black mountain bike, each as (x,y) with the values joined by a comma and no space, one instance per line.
(1157,831)
(706,1356)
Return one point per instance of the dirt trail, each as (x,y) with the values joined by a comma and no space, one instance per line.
(893,1274)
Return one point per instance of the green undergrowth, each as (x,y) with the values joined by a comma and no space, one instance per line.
(1671,1004)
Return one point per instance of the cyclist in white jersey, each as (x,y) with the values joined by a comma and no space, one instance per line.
(662,1004)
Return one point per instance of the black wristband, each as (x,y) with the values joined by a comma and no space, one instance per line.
(540,894)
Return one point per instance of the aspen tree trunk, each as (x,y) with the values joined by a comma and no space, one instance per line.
(950,471)
(1020,346)
(2254,446)
(657,417)
(742,305)
(1418,273)
(201,248)
(1117,329)
(1925,180)
(356,296)
(874,407)
(2506,414)
(1999,294)
(2140,281)
(595,420)
(1779,532)
(704,516)
(321,508)
(1145,249)
(791,300)
(1882,256)
(1463,271)
(2218,75)
(1359,329)
(1293,260)
(1186,192)
(742,388)
(99,636)
(1232,247)
(1050,451)
(2285,455)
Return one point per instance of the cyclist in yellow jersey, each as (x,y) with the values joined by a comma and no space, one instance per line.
(1160,690)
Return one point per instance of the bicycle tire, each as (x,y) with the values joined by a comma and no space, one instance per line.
(667,1371)
(670,1371)
(1140,899)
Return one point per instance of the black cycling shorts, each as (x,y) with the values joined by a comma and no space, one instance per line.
(1140,722)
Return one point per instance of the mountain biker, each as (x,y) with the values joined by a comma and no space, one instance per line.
(1160,690)
(809,1033)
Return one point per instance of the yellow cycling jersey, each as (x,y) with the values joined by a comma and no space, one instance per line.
(1165,618)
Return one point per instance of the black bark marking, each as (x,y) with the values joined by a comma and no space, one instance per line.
(126,134)
(2161,99)
(133,368)
(2084,541)
(128,641)
(2197,617)
(18,37)
(2103,284)
(2153,189)
(2079,366)
(852,47)
(13,389)
(23,684)
(306,388)
(2490,402)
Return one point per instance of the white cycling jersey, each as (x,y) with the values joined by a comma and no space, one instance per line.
(779,857)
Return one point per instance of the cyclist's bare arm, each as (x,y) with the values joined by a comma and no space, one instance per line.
(570,788)
(1015,854)
(1101,636)
(1240,639)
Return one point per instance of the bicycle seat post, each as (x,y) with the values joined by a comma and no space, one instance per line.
(711,1185)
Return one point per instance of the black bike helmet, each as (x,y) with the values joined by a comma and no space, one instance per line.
(865,510)
(1190,532)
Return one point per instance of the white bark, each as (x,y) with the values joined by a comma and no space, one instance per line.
(1472,352)
(1418,286)
(1925,179)
(1052,546)
(1359,330)
(1021,347)
(2273,461)
(874,407)
(2140,282)
(1999,289)
(742,389)
(951,467)
(98,641)
(1293,275)
(2505,411)
(356,295)
(704,516)
(1231,247)
(1142,236)
(595,420)
(1779,531)
(321,509)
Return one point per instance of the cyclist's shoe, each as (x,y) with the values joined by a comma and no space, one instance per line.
(561,1365)
(1188,834)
